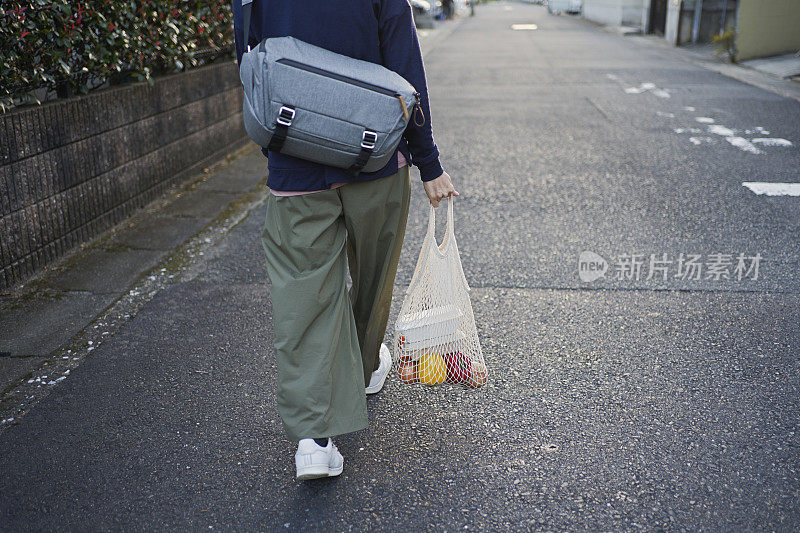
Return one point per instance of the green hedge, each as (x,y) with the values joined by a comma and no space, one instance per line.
(71,46)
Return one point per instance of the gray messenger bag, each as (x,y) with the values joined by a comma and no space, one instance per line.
(314,104)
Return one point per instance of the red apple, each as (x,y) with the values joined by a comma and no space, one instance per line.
(458,367)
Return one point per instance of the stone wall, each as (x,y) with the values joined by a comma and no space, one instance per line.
(72,168)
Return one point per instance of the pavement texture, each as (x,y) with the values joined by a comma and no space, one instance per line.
(785,66)
(616,404)
(750,72)
(46,313)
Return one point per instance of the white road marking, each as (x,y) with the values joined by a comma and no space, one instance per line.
(612,77)
(647,86)
(772,141)
(743,144)
(773,189)
(663,114)
(729,134)
(721,130)
(524,27)
(640,89)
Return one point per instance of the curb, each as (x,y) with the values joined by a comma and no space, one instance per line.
(785,88)
(28,383)
(430,41)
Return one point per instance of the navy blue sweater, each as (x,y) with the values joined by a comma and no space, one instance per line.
(380,31)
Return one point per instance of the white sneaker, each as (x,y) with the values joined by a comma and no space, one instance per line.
(314,461)
(379,376)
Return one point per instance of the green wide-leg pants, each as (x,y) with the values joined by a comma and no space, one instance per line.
(326,337)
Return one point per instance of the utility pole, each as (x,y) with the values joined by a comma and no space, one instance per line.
(724,13)
(698,10)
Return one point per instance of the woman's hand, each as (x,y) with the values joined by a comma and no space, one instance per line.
(439,188)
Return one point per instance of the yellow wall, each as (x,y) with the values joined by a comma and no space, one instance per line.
(767,27)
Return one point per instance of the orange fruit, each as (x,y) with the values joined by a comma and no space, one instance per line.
(407,372)
(478,377)
(432,369)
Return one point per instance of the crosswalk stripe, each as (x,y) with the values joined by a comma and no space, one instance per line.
(773,189)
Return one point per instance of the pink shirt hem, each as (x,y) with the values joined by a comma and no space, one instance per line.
(401,162)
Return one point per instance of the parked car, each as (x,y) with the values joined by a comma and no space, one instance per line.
(465,7)
(420,7)
(425,12)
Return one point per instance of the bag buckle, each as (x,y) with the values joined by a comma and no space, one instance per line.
(368,140)
(285,116)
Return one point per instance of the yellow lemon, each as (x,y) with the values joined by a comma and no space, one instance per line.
(432,369)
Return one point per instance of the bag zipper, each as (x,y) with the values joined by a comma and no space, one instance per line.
(339,77)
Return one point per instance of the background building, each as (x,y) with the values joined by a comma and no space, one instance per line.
(616,12)
(759,28)
(767,27)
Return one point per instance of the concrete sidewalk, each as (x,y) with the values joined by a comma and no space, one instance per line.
(48,312)
(52,311)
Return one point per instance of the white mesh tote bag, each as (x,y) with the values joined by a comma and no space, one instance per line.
(435,337)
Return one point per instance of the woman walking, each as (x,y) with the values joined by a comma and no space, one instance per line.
(322,220)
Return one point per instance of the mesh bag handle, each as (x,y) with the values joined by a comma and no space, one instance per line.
(447,249)
(449,234)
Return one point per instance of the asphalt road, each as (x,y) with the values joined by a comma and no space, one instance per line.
(615,404)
